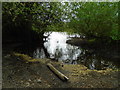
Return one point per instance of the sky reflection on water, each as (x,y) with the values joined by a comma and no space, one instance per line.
(56,48)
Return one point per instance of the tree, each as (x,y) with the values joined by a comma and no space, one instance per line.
(29,19)
(95,19)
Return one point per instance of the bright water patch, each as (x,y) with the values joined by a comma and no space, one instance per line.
(58,48)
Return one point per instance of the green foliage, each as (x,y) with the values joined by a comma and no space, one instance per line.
(96,19)
(39,14)
(115,34)
(28,18)
(59,27)
(92,19)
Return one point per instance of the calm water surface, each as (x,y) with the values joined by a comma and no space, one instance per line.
(56,48)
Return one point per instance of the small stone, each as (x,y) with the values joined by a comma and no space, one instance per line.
(53,79)
(29,80)
(27,84)
(49,86)
(38,81)
(33,84)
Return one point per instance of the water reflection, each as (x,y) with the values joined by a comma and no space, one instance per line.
(94,61)
(39,53)
(56,48)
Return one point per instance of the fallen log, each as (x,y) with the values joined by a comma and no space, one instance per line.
(59,74)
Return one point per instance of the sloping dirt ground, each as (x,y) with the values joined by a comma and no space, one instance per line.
(18,74)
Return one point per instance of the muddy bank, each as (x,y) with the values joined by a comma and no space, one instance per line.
(18,73)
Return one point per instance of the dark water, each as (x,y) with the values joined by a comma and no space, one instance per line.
(57,49)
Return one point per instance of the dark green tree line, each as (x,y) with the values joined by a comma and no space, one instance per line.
(95,19)
(29,21)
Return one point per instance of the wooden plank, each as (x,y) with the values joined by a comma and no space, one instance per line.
(58,73)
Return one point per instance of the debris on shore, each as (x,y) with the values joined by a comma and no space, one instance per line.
(19,74)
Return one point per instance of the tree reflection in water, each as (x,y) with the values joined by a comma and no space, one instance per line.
(56,48)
